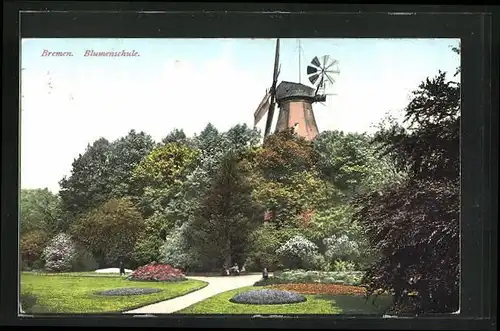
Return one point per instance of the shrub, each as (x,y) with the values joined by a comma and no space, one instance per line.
(264,242)
(60,253)
(267,297)
(31,247)
(110,231)
(157,272)
(340,265)
(341,247)
(309,277)
(84,261)
(297,252)
(177,253)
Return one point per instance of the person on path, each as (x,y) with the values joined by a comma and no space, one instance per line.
(265,274)
(122,269)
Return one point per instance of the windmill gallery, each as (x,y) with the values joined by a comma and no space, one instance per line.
(295,100)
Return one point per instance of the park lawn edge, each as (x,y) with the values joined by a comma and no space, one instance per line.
(198,285)
(203,285)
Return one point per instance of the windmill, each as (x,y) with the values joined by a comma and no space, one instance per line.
(295,99)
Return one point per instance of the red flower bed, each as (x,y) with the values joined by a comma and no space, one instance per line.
(157,272)
(334,289)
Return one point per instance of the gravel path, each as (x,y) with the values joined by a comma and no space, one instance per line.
(215,286)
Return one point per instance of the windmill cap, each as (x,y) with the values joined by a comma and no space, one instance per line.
(287,90)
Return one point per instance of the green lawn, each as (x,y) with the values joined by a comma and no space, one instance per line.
(76,294)
(315,304)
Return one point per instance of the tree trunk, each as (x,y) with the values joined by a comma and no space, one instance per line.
(228,259)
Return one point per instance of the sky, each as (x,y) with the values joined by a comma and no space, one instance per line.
(69,102)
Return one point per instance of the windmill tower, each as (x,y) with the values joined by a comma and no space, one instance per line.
(295,100)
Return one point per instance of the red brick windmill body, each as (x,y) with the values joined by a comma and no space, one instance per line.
(295,100)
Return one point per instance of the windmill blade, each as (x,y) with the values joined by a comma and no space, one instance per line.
(262,109)
(330,79)
(331,64)
(316,62)
(313,78)
(276,71)
(270,114)
(276,63)
(311,70)
(325,60)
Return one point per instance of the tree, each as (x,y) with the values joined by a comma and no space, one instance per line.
(31,248)
(87,187)
(159,172)
(415,225)
(429,147)
(349,161)
(110,231)
(227,214)
(103,172)
(125,155)
(285,153)
(175,136)
(40,211)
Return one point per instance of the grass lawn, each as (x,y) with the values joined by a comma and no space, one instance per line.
(76,294)
(315,304)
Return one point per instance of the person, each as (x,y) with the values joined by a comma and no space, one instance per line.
(265,273)
(236,269)
(122,269)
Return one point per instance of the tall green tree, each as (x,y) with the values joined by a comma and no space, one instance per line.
(157,175)
(126,154)
(103,171)
(87,187)
(227,214)
(176,136)
(349,161)
(40,210)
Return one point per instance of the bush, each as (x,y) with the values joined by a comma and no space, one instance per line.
(340,248)
(298,253)
(157,272)
(84,261)
(264,242)
(308,277)
(31,248)
(340,265)
(60,253)
(177,253)
(267,297)
(110,231)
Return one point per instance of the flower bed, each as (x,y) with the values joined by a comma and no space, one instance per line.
(128,291)
(267,297)
(312,277)
(158,273)
(333,289)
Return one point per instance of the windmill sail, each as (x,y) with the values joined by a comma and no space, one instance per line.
(263,108)
(273,89)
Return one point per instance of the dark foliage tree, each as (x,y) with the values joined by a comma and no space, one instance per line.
(226,215)
(87,186)
(102,172)
(415,226)
(175,136)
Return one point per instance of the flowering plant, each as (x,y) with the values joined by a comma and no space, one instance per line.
(59,253)
(157,272)
(341,247)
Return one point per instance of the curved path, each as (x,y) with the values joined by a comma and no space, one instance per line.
(215,286)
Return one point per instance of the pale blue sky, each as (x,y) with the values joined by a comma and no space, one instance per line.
(186,83)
